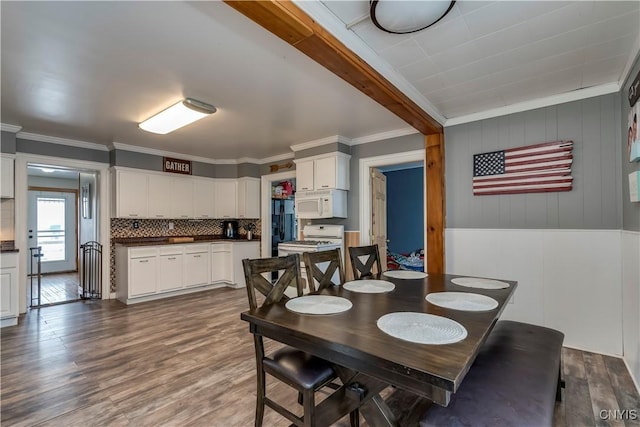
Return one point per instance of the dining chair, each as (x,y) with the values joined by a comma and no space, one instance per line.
(302,371)
(364,270)
(313,262)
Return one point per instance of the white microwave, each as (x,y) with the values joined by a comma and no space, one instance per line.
(321,204)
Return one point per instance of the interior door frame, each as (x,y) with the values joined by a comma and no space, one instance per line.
(104,210)
(365,166)
(265,214)
(76,193)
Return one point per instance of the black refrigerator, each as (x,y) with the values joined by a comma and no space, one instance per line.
(283,223)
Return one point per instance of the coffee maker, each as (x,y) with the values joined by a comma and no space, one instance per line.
(230,229)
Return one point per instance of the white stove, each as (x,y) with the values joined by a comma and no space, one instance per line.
(316,238)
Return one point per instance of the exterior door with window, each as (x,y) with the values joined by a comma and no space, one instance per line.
(52,225)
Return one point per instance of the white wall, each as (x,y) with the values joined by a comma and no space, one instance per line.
(630,248)
(568,280)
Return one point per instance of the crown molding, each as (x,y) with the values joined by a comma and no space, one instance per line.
(320,142)
(62,141)
(162,153)
(561,98)
(633,56)
(277,158)
(383,135)
(10,128)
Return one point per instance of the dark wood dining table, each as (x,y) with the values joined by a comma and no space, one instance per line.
(368,360)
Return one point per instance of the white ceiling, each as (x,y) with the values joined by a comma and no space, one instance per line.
(91,71)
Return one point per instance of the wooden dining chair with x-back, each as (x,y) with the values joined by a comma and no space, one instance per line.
(302,371)
(325,278)
(363,259)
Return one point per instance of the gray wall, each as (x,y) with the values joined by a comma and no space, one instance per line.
(59,150)
(630,211)
(323,149)
(7,142)
(594,203)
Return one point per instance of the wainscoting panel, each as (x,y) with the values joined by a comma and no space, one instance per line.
(567,279)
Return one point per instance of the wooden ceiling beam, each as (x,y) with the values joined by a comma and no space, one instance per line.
(291,24)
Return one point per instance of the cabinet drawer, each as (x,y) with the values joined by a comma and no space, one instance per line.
(171,250)
(143,252)
(221,247)
(196,249)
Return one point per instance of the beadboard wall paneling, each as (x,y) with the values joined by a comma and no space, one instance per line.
(595,201)
(567,279)
(631,301)
(630,211)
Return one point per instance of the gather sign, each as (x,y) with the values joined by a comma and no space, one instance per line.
(176,165)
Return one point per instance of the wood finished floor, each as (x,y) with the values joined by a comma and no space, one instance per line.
(189,361)
(56,288)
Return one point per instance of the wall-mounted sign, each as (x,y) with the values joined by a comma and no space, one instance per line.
(176,165)
(634,90)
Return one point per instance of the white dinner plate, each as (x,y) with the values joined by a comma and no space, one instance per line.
(462,301)
(405,274)
(422,328)
(480,283)
(368,286)
(318,304)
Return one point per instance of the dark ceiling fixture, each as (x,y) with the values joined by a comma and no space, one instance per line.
(404,17)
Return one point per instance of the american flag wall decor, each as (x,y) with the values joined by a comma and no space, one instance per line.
(538,168)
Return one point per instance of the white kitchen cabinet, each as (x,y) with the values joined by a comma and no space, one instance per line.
(9,289)
(181,198)
(159,196)
(221,263)
(248,198)
(196,265)
(170,265)
(7,178)
(242,250)
(131,194)
(323,172)
(226,194)
(203,198)
(304,175)
(143,271)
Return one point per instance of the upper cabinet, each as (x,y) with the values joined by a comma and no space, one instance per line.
(226,196)
(248,198)
(182,197)
(203,198)
(6,169)
(323,172)
(131,194)
(159,196)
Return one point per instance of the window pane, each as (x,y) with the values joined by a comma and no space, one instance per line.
(51,235)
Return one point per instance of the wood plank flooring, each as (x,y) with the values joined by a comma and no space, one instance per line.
(56,288)
(189,361)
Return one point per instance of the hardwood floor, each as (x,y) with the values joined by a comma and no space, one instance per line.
(189,360)
(56,288)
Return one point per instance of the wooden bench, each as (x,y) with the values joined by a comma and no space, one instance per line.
(514,381)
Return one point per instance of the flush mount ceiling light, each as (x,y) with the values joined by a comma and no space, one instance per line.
(178,115)
(403,17)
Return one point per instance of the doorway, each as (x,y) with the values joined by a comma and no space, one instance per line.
(278,218)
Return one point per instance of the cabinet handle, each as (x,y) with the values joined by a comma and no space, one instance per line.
(324,186)
(159,216)
(196,256)
(172,257)
(184,216)
(133,214)
(144,260)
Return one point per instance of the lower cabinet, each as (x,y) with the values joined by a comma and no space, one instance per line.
(151,272)
(9,289)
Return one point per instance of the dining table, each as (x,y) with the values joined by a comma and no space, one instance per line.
(368,360)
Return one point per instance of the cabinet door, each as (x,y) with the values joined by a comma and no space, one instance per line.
(221,268)
(132,194)
(142,276)
(182,198)
(242,250)
(226,195)
(8,289)
(161,198)
(304,175)
(325,173)
(170,273)
(196,269)
(203,194)
(248,198)
(7,178)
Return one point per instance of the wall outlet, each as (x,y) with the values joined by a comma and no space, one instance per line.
(171,226)
(136,224)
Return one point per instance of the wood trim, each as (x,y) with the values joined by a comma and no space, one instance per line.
(285,20)
(351,239)
(435,200)
(53,189)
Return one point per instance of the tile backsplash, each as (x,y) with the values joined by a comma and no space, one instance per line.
(124,228)
(7,219)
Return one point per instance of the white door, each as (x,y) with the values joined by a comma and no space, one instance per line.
(379,213)
(52,219)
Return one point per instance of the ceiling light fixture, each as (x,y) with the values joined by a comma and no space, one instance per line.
(403,17)
(178,115)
